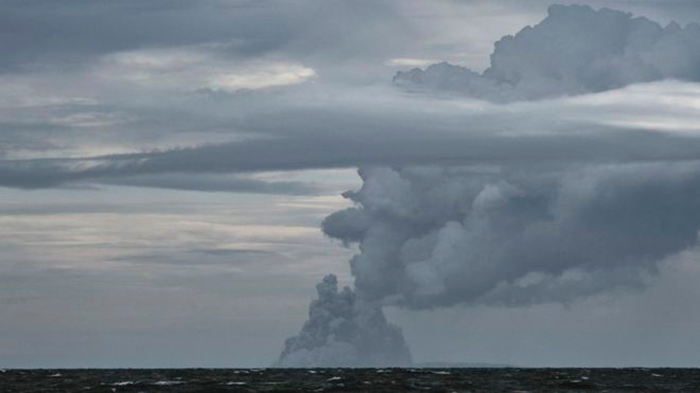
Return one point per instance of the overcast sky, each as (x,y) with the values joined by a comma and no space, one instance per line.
(165,167)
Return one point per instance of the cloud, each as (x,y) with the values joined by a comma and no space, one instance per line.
(184,105)
(229,259)
(433,236)
(574,50)
(47,35)
(45,32)
(305,128)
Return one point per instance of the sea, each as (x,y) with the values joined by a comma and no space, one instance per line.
(510,379)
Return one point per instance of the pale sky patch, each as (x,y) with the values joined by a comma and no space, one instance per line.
(409,62)
(190,69)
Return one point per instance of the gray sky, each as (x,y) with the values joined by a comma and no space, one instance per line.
(165,167)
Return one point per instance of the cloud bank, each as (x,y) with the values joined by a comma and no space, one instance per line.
(574,50)
(373,127)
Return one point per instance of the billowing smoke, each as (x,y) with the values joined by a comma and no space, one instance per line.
(344,331)
(432,237)
(574,50)
(520,234)
(435,237)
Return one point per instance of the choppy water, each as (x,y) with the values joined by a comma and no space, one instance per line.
(353,380)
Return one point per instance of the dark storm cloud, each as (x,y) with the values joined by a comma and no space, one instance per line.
(69,33)
(318,126)
(19,136)
(39,32)
(314,150)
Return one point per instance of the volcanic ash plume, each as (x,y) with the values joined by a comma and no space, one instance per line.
(521,233)
(344,331)
(437,237)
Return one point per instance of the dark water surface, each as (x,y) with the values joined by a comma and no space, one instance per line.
(353,380)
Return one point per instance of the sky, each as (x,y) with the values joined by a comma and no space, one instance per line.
(173,178)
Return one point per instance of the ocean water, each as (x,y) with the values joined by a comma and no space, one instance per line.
(354,380)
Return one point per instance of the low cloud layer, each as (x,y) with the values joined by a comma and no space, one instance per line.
(384,127)
(575,50)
